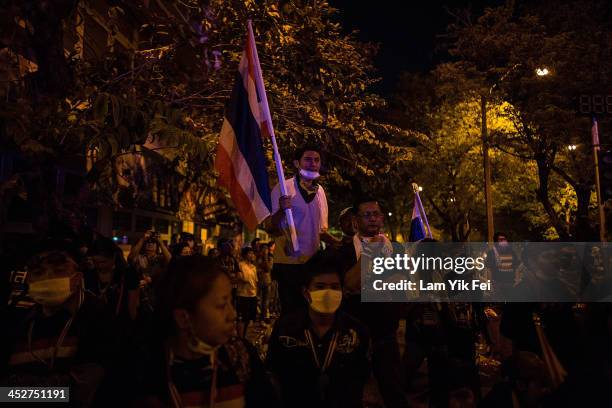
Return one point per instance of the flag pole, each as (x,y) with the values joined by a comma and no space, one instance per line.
(600,205)
(415,187)
(267,122)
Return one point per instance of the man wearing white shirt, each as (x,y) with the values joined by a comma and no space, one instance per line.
(308,202)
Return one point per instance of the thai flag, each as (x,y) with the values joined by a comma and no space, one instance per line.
(417,227)
(240,157)
(595,133)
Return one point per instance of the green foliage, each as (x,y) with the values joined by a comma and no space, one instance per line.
(167,90)
(448,159)
(318,81)
(498,56)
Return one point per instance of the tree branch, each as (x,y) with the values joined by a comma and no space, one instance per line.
(565,176)
(441,213)
(520,156)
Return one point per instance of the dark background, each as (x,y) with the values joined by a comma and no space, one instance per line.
(407,32)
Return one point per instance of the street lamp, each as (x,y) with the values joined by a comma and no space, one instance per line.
(486,163)
(542,71)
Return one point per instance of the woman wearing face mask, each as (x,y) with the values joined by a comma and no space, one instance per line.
(198,361)
(319,355)
(66,339)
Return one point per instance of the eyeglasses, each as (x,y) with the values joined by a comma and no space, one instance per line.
(374,214)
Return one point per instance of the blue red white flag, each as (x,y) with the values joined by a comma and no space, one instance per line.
(419,219)
(417,229)
(595,133)
(240,157)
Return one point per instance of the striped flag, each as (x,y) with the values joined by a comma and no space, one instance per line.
(595,133)
(419,219)
(240,155)
(417,229)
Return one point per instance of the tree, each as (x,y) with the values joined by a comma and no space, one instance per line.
(448,157)
(110,102)
(165,88)
(502,50)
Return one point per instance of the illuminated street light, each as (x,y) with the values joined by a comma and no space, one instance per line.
(390,214)
(572,147)
(541,72)
(420,188)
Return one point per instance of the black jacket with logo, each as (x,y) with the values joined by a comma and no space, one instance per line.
(290,358)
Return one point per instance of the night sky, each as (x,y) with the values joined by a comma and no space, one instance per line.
(406,31)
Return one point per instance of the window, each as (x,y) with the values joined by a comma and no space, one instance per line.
(188,226)
(122,221)
(161,225)
(143,223)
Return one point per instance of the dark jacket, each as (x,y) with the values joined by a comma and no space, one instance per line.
(291,360)
(82,357)
(240,374)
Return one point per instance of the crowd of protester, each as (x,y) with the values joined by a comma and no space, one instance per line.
(169,326)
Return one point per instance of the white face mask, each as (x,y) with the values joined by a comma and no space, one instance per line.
(325,301)
(198,346)
(309,175)
(50,292)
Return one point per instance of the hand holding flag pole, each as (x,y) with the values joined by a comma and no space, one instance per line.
(267,126)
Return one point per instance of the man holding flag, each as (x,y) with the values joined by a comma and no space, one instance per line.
(242,170)
(308,201)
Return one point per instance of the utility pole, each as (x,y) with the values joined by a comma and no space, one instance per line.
(487,168)
(541,72)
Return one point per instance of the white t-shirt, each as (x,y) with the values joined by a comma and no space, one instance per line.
(248,280)
(310,220)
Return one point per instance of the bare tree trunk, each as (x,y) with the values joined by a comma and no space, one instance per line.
(581,228)
(542,195)
(464,232)
(583,232)
(454,233)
